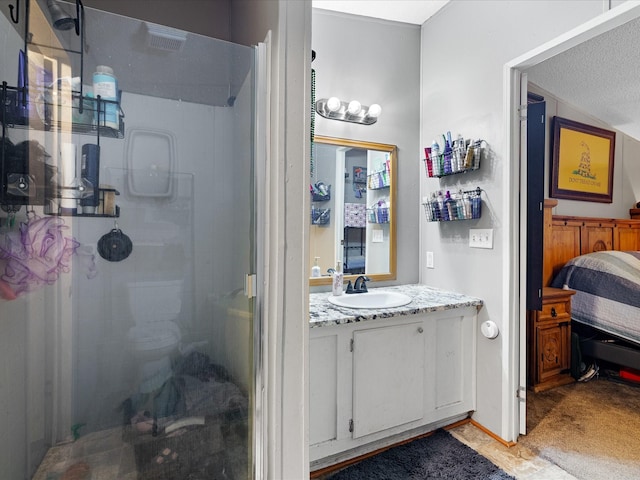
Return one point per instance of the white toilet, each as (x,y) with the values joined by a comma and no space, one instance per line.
(155,337)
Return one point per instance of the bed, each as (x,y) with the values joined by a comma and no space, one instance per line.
(599,259)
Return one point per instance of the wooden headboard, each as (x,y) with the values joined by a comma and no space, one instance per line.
(566,237)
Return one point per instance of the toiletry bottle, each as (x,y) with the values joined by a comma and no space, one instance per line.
(105,85)
(477,153)
(449,205)
(459,205)
(428,161)
(466,202)
(435,210)
(435,159)
(338,278)
(458,153)
(444,214)
(475,206)
(315,270)
(67,168)
(90,171)
(468,159)
(446,162)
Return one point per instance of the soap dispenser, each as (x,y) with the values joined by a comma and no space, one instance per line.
(338,278)
(315,270)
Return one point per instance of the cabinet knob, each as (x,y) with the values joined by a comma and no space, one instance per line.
(553,312)
(420,330)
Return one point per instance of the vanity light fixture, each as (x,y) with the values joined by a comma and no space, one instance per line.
(335,109)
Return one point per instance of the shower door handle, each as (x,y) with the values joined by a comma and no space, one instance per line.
(250,285)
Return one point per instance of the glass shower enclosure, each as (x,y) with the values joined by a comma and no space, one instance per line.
(127,242)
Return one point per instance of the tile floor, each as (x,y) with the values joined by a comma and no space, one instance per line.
(213,451)
(517,461)
(117,461)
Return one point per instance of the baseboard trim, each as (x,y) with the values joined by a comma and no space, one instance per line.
(491,434)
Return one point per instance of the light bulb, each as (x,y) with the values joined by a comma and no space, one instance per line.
(334,104)
(374,111)
(354,107)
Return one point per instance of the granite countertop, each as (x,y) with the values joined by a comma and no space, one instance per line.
(425,299)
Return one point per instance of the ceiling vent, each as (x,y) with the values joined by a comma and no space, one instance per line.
(165,38)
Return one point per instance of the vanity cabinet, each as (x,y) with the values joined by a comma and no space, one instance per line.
(376,382)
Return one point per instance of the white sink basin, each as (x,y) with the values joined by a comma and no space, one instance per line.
(372,299)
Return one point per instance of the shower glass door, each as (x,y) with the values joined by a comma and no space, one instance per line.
(127,335)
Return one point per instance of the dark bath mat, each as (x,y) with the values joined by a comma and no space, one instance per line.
(439,456)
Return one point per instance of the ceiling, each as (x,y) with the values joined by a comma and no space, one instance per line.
(598,77)
(407,11)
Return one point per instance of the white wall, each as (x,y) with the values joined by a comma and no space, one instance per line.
(464,49)
(376,61)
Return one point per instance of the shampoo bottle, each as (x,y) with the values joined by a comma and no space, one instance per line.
(105,85)
(338,278)
(315,270)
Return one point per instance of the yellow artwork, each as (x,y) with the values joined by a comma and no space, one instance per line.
(582,167)
(584,162)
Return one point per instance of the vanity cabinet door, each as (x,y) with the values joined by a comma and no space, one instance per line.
(323,389)
(388,377)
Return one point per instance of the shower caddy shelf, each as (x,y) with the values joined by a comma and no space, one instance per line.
(18,110)
(101,209)
(12,117)
(16,114)
(474,163)
(379,180)
(456,209)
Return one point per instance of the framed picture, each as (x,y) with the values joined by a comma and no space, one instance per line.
(582,162)
(359,174)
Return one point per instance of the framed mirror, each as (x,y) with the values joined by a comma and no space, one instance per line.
(352,209)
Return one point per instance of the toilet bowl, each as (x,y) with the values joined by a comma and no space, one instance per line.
(154,307)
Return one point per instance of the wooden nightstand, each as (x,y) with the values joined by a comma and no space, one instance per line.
(549,340)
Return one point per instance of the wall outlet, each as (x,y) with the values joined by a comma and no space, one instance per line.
(481,238)
(430,260)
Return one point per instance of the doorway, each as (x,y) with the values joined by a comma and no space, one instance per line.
(516,147)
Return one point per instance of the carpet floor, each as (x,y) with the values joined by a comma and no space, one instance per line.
(438,456)
(591,430)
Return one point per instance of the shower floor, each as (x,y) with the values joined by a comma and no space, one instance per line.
(217,449)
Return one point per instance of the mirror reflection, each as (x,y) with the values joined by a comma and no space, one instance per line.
(352,209)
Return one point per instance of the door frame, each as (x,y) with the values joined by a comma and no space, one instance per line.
(517,215)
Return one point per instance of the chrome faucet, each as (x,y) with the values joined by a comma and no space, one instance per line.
(359,286)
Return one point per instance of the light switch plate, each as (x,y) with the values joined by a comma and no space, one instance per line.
(481,238)
(430,260)
(377,236)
